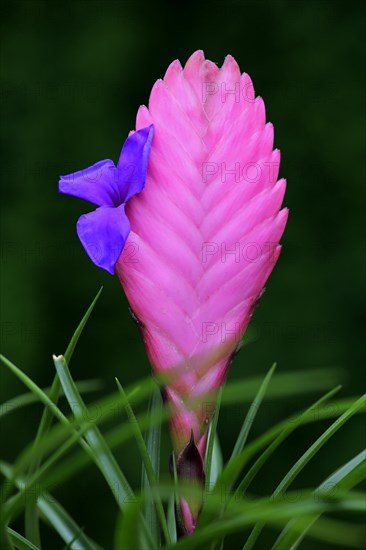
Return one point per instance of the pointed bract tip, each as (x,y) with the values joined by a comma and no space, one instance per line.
(198,54)
(189,523)
(174,67)
(197,57)
(158,85)
(229,59)
(189,462)
(143,117)
(284,212)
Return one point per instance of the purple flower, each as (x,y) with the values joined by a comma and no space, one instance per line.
(103,233)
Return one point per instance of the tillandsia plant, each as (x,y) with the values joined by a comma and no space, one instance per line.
(190,220)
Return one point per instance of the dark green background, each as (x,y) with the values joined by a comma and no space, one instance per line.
(73,76)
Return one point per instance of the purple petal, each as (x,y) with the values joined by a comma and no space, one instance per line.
(96,184)
(103,234)
(132,164)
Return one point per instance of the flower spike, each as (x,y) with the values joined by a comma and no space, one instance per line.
(205,231)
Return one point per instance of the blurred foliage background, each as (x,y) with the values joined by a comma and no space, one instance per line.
(73,76)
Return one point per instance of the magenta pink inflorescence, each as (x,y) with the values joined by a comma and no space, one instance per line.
(205,232)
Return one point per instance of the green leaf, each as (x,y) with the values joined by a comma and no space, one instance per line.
(36,479)
(250,416)
(303,461)
(150,473)
(172,526)
(71,533)
(338,533)
(217,461)
(209,457)
(258,464)
(345,477)
(233,467)
(317,445)
(56,515)
(101,453)
(31,517)
(252,412)
(152,438)
(108,405)
(68,546)
(36,390)
(277,512)
(70,466)
(21,542)
(127,531)
(213,458)
(55,388)
(283,385)
(20,401)
(54,409)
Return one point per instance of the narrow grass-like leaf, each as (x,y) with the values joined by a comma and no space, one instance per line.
(20,542)
(217,461)
(55,515)
(70,466)
(216,469)
(20,401)
(55,388)
(107,404)
(233,468)
(68,546)
(249,418)
(102,454)
(75,337)
(8,510)
(283,384)
(32,529)
(277,512)
(150,473)
(252,412)
(71,533)
(172,526)
(152,438)
(212,460)
(338,533)
(303,461)
(44,399)
(117,435)
(127,531)
(146,388)
(317,445)
(5,542)
(345,477)
(31,518)
(253,471)
(211,441)
(36,390)
(36,478)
